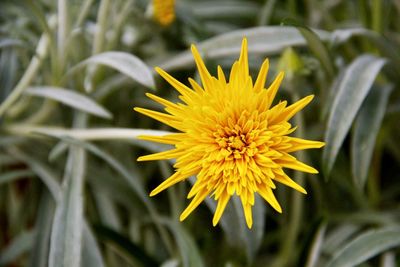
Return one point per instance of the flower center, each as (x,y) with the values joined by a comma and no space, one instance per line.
(236,142)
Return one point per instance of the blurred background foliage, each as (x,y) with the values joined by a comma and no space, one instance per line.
(72,193)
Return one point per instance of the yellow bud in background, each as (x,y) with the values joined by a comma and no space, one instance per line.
(290,63)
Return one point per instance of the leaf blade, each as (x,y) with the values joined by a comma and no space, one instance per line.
(366,246)
(66,235)
(123,62)
(366,128)
(279,37)
(70,98)
(357,81)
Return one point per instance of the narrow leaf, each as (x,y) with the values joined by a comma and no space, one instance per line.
(41,170)
(66,236)
(188,249)
(264,40)
(366,128)
(125,63)
(15,175)
(91,255)
(40,249)
(70,98)
(134,251)
(357,81)
(19,245)
(366,246)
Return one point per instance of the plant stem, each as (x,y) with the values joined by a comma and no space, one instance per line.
(62,33)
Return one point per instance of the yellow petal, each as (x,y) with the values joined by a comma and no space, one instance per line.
(300,144)
(262,76)
(170,139)
(173,179)
(243,60)
(247,212)
(289,182)
(221,75)
(269,196)
(195,202)
(297,165)
(204,74)
(180,87)
(169,154)
(222,202)
(291,110)
(162,101)
(161,117)
(273,88)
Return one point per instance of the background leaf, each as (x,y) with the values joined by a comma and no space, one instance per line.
(228,44)
(354,87)
(66,235)
(365,246)
(366,128)
(125,63)
(70,98)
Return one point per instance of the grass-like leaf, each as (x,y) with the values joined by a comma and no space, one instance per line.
(354,87)
(228,44)
(91,255)
(366,246)
(366,128)
(66,235)
(125,63)
(70,98)
(19,245)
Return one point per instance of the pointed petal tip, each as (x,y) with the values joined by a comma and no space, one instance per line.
(214,222)
(183,216)
(244,41)
(194,50)
(153,193)
(249,225)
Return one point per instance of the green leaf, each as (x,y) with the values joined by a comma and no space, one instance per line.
(261,40)
(4,43)
(134,251)
(366,246)
(123,62)
(315,249)
(91,255)
(366,128)
(132,181)
(188,249)
(15,175)
(66,235)
(42,171)
(70,98)
(40,250)
(355,85)
(224,9)
(234,225)
(19,245)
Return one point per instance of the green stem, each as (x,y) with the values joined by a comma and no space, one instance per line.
(101,26)
(62,34)
(83,14)
(377,15)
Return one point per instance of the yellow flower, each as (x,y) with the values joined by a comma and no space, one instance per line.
(164,11)
(230,137)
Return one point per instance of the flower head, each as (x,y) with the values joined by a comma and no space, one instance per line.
(164,11)
(230,137)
